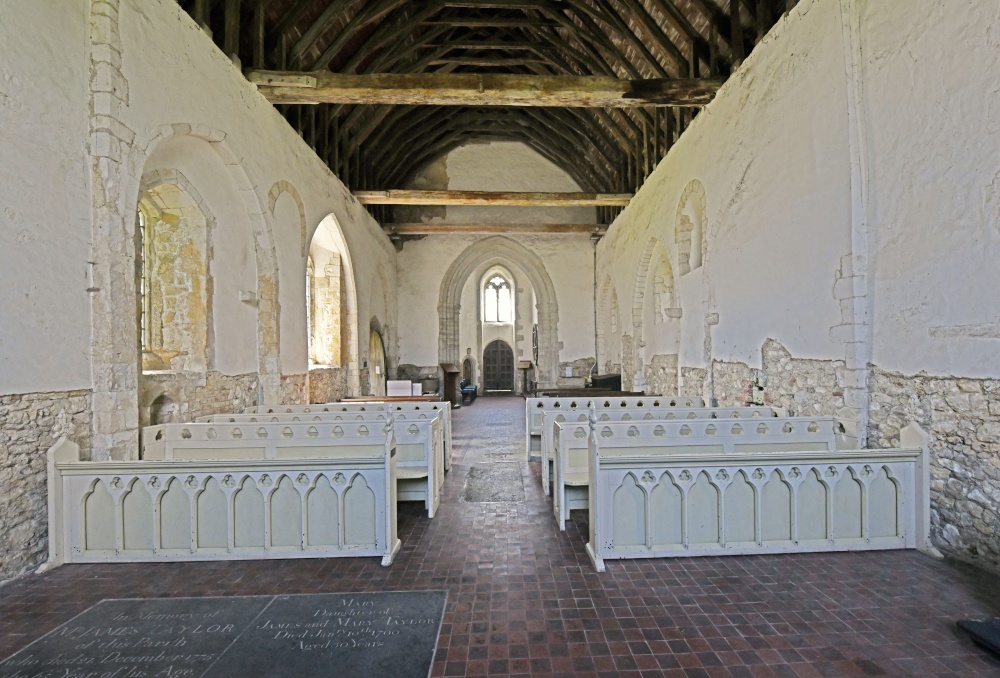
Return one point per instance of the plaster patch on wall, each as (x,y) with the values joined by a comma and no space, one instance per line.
(29,425)
(962,418)
(972,331)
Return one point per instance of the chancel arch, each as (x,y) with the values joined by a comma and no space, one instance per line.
(474,262)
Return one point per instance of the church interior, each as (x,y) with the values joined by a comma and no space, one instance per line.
(581,236)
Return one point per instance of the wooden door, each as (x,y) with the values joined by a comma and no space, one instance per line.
(498,366)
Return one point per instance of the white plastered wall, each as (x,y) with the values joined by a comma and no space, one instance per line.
(44,198)
(933,124)
(771,152)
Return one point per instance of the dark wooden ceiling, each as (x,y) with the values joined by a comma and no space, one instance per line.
(382,147)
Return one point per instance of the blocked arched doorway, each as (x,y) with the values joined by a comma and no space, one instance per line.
(376,364)
(498,367)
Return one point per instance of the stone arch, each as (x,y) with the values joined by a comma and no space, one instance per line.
(690,227)
(268,308)
(500,250)
(329,235)
(149,184)
(281,188)
(653,262)
(656,262)
(608,331)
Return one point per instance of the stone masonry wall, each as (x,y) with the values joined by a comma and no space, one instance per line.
(694,380)
(661,375)
(730,382)
(294,389)
(803,387)
(962,418)
(195,395)
(29,425)
(327,384)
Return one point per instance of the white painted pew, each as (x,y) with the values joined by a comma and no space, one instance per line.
(304,497)
(569,452)
(419,445)
(649,497)
(551,418)
(535,408)
(443,408)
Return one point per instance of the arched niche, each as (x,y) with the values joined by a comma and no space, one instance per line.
(377,362)
(609,340)
(331,293)
(174,249)
(653,304)
(690,227)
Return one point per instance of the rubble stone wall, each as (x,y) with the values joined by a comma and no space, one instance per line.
(962,418)
(29,425)
(327,384)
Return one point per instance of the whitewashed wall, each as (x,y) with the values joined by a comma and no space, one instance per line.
(933,129)
(771,153)
(44,197)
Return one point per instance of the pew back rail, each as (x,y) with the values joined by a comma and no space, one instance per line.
(417,408)
(151,511)
(419,442)
(648,502)
(550,419)
(534,409)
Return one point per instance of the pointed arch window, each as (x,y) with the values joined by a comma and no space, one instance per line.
(498,305)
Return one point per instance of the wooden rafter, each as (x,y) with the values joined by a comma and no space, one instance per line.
(605,146)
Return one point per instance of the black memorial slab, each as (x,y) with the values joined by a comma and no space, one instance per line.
(985,632)
(364,634)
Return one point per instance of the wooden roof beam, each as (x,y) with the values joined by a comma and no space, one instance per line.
(471,89)
(486,229)
(494,198)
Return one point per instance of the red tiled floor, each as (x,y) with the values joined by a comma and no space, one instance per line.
(524,600)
